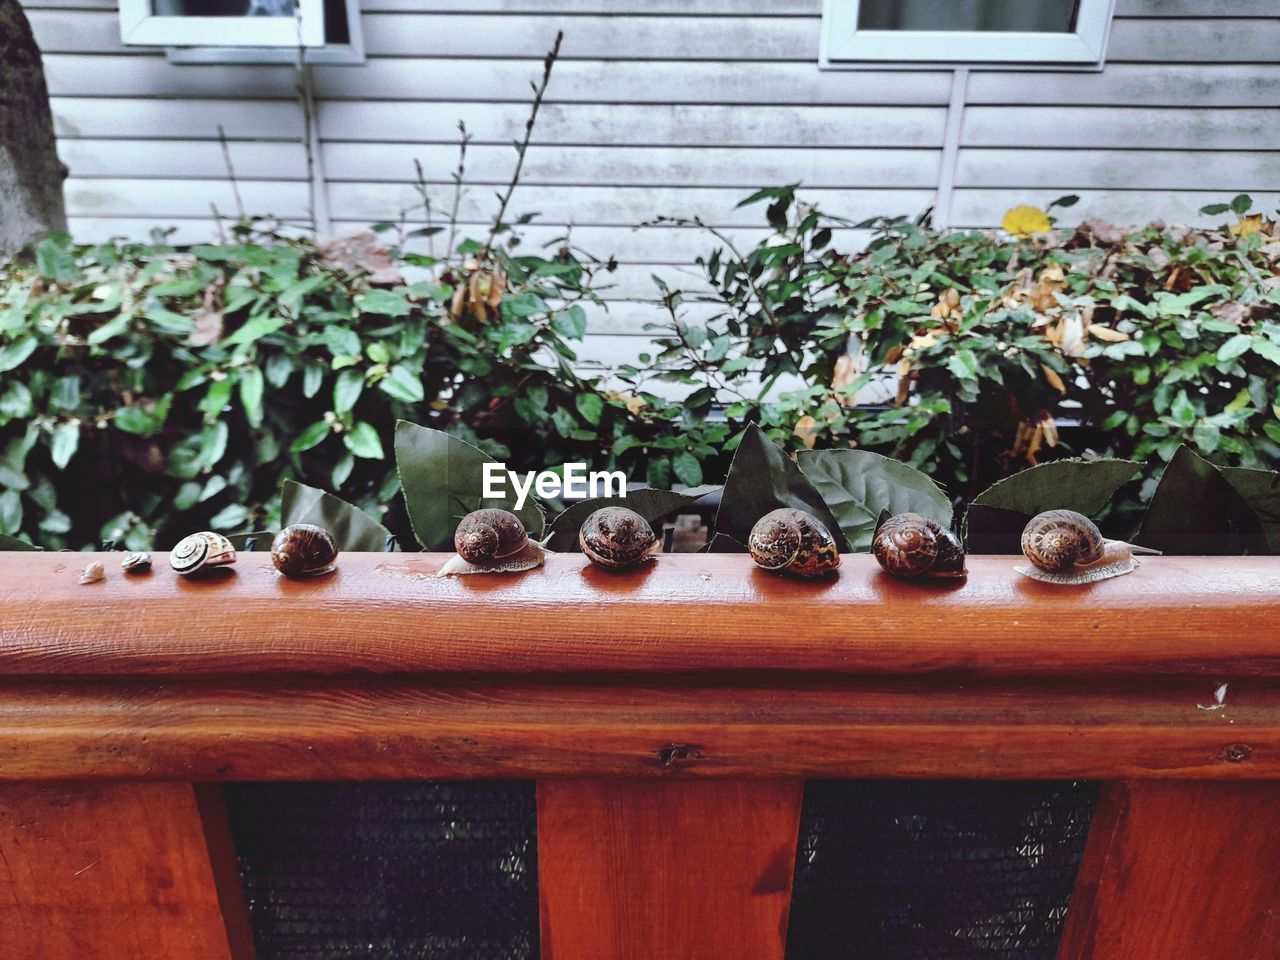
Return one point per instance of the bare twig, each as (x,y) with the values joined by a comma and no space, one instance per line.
(464,139)
(217,221)
(522,147)
(425,194)
(302,87)
(231,173)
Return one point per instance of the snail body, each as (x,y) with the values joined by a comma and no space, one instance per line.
(1068,548)
(616,538)
(304,550)
(493,541)
(793,541)
(200,551)
(911,545)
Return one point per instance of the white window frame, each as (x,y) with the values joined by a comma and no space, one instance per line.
(844,46)
(140,25)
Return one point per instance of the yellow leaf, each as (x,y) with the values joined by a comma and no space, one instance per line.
(1052,378)
(1241,400)
(807,430)
(1024,220)
(1106,333)
(845,373)
(1247,226)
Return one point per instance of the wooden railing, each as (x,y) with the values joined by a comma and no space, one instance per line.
(670,716)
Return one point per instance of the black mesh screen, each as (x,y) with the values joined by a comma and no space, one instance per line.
(392,871)
(897,870)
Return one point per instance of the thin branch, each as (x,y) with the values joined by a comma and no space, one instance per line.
(464,139)
(302,87)
(231,172)
(539,91)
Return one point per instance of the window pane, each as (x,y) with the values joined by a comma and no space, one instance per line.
(1023,16)
(223,8)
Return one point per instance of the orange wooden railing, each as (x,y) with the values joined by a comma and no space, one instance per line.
(670,716)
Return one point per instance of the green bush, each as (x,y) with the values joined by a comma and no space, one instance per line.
(1144,339)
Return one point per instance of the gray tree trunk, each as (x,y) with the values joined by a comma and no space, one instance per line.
(31,175)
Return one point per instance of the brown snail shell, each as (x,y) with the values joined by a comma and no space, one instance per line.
(487,535)
(793,541)
(617,537)
(493,541)
(304,550)
(912,545)
(1068,548)
(201,551)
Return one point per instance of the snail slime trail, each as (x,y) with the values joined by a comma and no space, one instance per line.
(573,481)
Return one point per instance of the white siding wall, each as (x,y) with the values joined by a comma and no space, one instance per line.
(664,107)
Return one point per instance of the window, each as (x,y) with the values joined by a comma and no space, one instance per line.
(249,31)
(965,32)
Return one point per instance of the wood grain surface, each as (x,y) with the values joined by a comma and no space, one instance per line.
(261,728)
(120,871)
(389,613)
(633,870)
(1178,872)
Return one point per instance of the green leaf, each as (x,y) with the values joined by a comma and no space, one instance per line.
(1266,349)
(571,323)
(342,341)
(347,390)
(858,485)
(363,441)
(10,512)
(963,364)
(112,328)
(591,406)
(143,421)
(763,478)
(311,436)
(230,517)
(55,260)
(11,543)
(402,383)
(1241,203)
(16,352)
(650,503)
(65,394)
(443,480)
(385,303)
(1260,489)
(687,468)
(1196,511)
(66,438)
(351,528)
(16,401)
(1234,347)
(252,387)
(254,329)
(997,515)
(1182,410)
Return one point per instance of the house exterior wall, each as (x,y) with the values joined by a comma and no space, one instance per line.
(663,107)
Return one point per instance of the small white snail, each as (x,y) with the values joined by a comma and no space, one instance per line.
(93,573)
(201,551)
(493,541)
(136,563)
(1068,548)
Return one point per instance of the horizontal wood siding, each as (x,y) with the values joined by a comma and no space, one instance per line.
(661,107)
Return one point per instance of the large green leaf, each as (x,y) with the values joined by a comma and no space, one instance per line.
(13,543)
(1196,511)
(650,503)
(351,527)
(762,478)
(858,485)
(1260,489)
(998,514)
(443,480)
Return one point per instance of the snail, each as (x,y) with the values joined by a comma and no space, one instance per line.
(136,563)
(493,541)
(911,545)
(303,550)
(1067,547)
(616,537)
(200,551)
(93,572)
(793,541)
